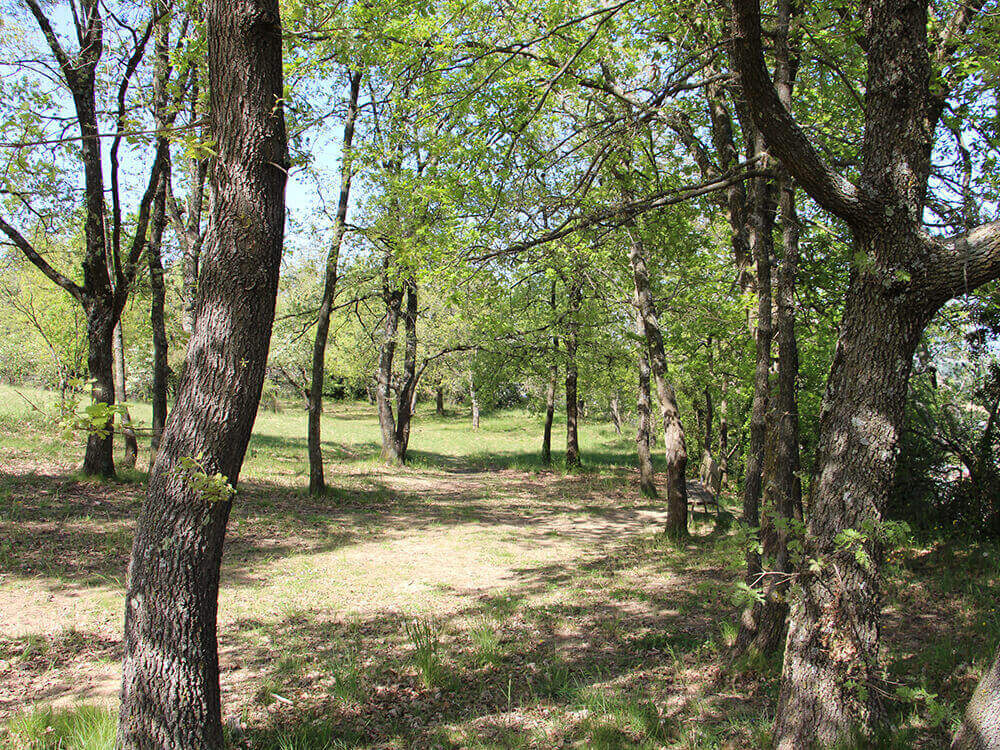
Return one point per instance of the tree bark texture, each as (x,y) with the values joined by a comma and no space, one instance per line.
(170,675)
(675,449)
(575,297)
(644,432)
(131,454)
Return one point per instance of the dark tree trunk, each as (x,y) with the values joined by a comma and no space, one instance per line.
(550,393)
(439,400)
(724,433)
(170,676)
(157,304)
(391,450)
(765,628)
(674,447)
(131,454)
(762,247)
(98,459)
(317,485)
(408,390)
(572,404)
(644,433)
(709,417)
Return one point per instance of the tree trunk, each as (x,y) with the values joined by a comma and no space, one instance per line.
(765,628)
(674,447)
(131,445)
(980,729)
(408,389)
(98,459)
(572,404)
(439,400)
(317,484)
(550,393)
(475,402)
(391,450)
(616,417)
(762,246)
(831,674)
(170,675)
(156,319)
(724,433)
(643,437)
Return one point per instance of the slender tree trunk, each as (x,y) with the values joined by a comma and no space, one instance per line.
(475,402)
(675,449)
(709,418)
(317,484)
(616,416)
(408,389)
(724,433)
(572,404)
(550,394)
(765,628)
(170,676)
(131,445)
(383,392)
(762,246)
(157,323)
(439,400)
(643,437)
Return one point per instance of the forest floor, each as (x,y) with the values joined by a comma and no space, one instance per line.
(470,599)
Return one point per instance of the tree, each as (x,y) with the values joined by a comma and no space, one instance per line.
(901,275)
(170,675)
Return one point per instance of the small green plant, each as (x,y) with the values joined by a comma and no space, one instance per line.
(425,636)
(486,639)
(80,728)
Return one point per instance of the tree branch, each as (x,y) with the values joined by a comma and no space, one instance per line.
(30,253)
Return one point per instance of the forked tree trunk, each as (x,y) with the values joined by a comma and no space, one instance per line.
(572,403)
(170,675)
(131,454)
(674,447)
(317,484)
(644,432)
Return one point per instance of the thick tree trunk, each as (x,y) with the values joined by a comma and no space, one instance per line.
(317,484)
(572,403)
(131,454)
(170,676)
(98,459)
(644,432)
(831,677)
(674,447)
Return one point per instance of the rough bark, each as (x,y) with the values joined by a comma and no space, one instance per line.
(675,449)
(550,393)
(98,459)
(406,398)
(900,277)
(644,432)
(157,323)
(980,729)
(317,485)
(393,297)
(131,454)
(170,677)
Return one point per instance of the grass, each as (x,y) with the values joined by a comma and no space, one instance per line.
(472,599)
